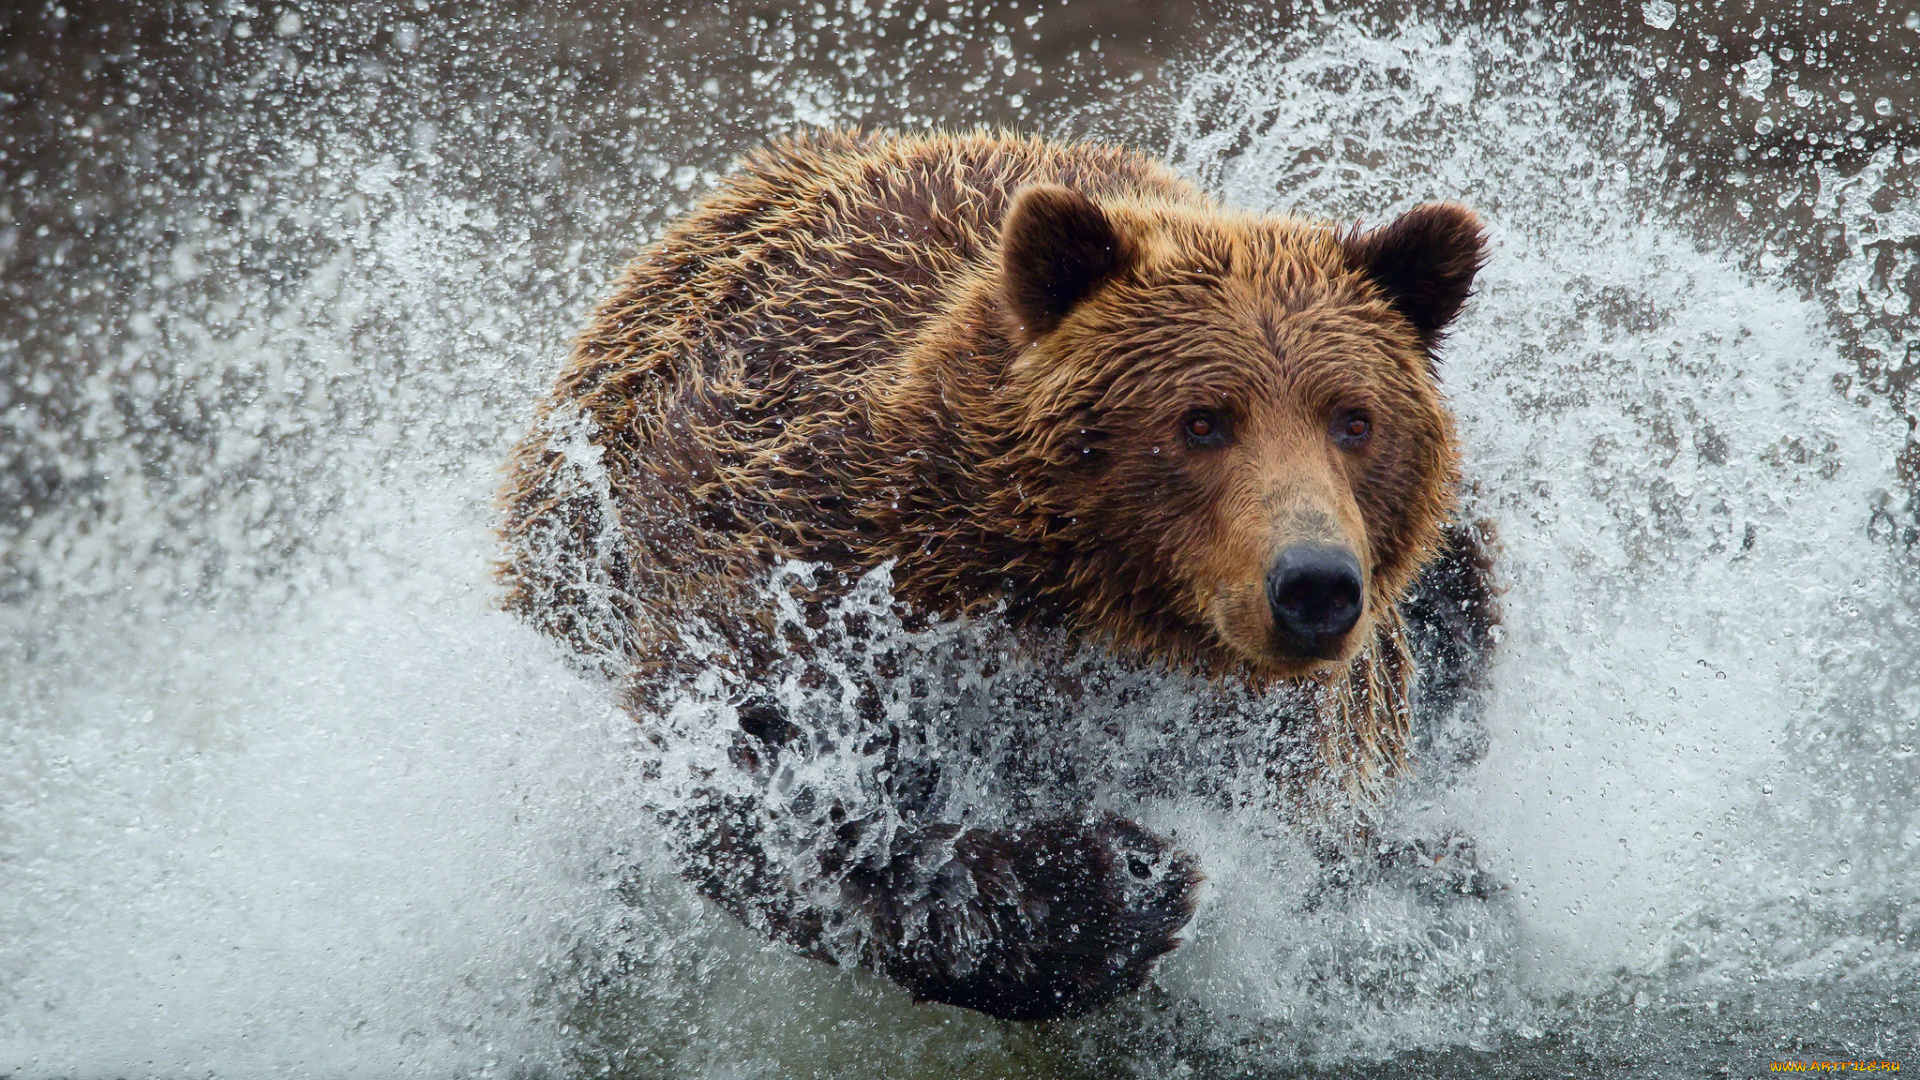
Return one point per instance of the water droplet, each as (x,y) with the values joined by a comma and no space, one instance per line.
(1759,72)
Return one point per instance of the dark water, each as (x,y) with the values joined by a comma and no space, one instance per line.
(281,793)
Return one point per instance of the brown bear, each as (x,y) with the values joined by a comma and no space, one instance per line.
(1050,388)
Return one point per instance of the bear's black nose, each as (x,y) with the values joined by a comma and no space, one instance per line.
(1315,594)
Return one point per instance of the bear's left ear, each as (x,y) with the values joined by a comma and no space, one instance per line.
(1056,247)
(1424,262)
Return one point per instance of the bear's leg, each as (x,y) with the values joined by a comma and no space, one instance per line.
(1451,614)
(1051,919)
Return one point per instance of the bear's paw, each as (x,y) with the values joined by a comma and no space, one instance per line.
(1054,919)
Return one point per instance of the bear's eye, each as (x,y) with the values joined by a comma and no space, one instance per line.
(1204,427)
(1351,427)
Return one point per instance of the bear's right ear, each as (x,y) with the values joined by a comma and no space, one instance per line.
(1056,247)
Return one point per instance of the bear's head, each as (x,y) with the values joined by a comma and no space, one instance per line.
(1232,422)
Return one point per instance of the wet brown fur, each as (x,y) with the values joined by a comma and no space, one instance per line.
(836,359)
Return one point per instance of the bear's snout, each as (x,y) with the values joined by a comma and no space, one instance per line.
(1316,594)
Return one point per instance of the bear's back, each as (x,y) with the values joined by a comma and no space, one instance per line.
(714,415)
(817,261)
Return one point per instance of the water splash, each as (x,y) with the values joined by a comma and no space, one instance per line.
(283,792)
(1691,499)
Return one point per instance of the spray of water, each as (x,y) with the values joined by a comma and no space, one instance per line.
(281,791)
(1685,497)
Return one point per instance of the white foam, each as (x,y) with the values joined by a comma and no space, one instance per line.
(355,836)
